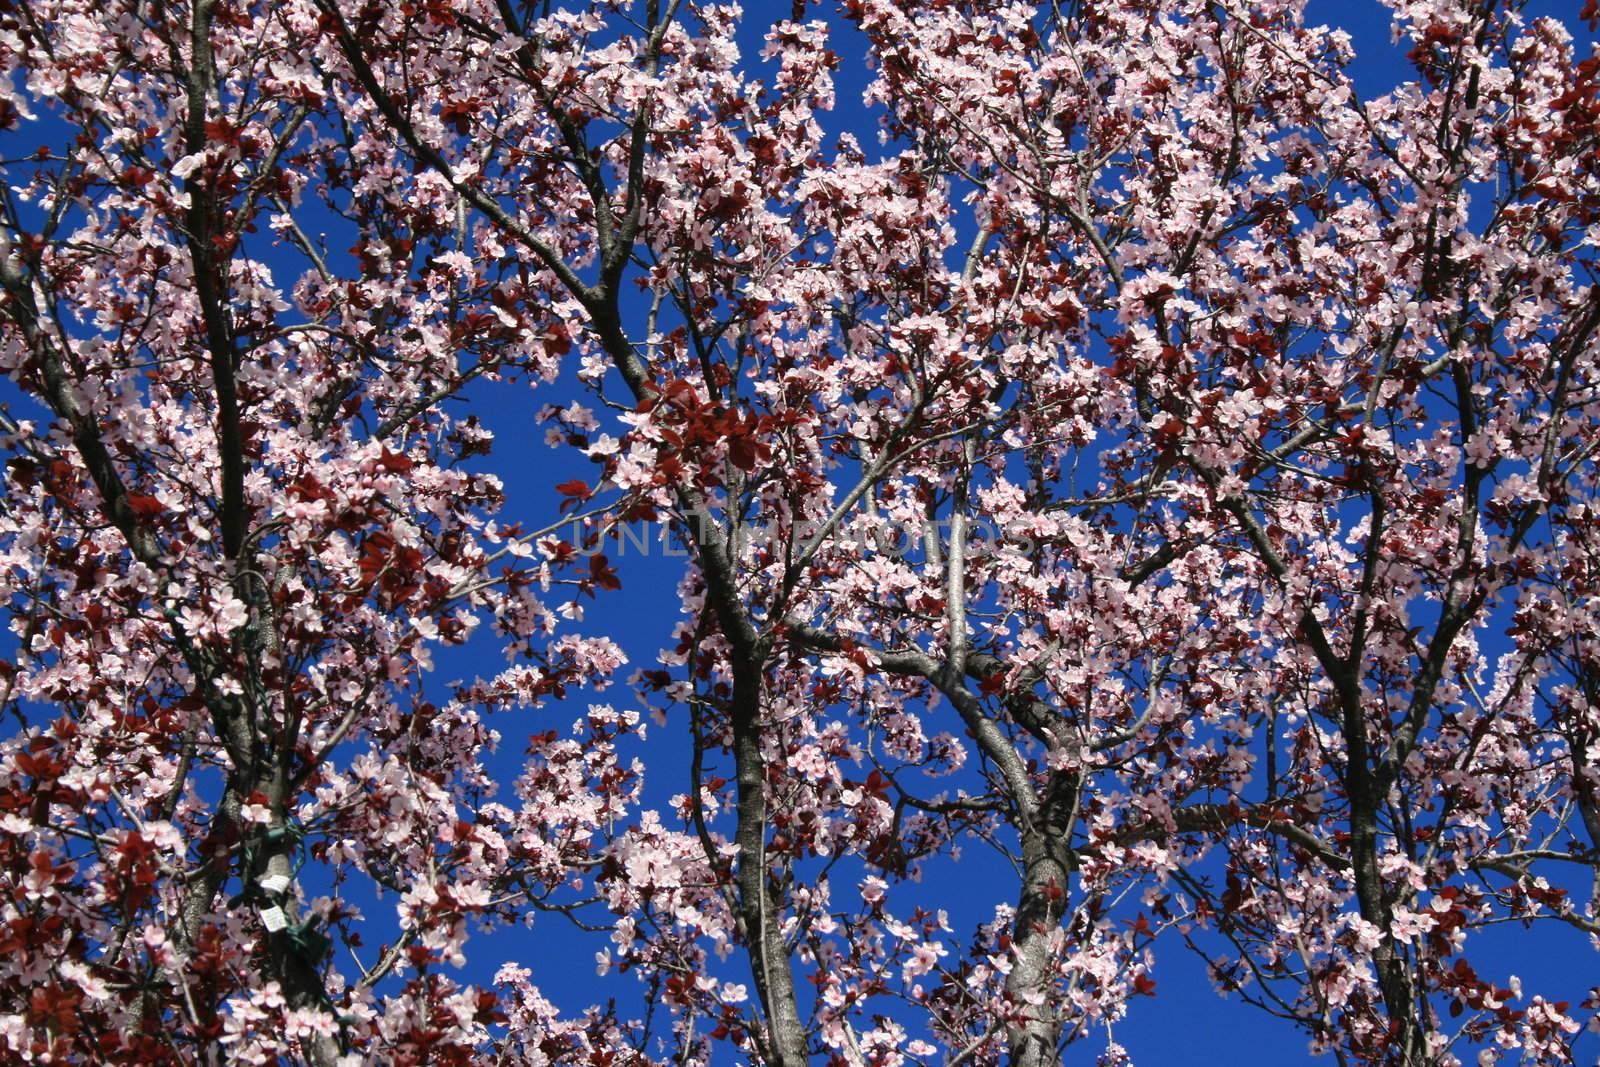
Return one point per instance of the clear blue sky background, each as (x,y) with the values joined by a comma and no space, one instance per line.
(1185,1023)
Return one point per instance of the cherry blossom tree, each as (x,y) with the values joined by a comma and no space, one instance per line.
(1133,462)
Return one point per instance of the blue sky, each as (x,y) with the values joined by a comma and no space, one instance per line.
(1185,1023)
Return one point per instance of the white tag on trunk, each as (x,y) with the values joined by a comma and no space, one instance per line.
(274,918)
(274,883)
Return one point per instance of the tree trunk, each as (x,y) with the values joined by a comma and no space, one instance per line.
(759,913)
(1033,1040)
